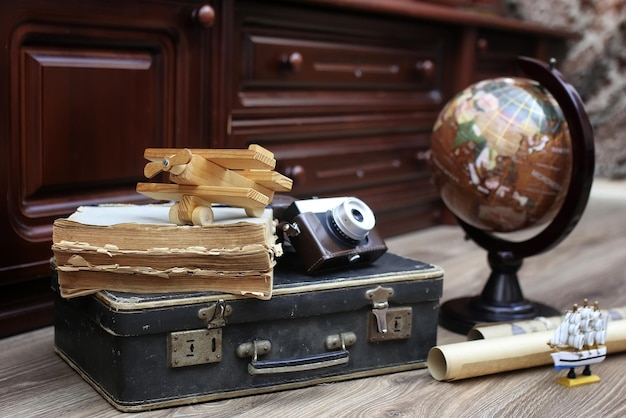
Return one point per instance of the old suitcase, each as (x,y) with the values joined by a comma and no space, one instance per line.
(150,351)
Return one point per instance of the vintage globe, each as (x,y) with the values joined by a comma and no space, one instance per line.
(501,155)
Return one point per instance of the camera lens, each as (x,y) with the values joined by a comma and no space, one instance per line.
(357,215)
(353,218)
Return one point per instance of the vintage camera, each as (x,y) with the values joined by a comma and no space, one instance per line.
(332,233)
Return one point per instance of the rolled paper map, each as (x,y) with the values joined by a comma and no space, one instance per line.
(495,355)
(506,329)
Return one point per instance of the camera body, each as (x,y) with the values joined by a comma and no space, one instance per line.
(332,233)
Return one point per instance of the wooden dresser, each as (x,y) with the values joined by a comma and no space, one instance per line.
(343,92)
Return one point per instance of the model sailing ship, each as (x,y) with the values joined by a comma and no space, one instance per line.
(579,341)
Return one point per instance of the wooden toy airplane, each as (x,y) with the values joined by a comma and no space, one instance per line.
(235,177)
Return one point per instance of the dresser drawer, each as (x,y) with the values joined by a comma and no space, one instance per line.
(316,61)
(339,166)
(281,63)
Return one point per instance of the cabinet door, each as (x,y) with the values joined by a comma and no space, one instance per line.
(85,89)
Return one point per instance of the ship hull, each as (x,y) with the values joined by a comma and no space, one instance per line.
(569,359)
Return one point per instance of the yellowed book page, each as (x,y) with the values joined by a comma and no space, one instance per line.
(253,257)
(77,282)
(140,227)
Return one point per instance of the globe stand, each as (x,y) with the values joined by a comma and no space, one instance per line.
(502,298)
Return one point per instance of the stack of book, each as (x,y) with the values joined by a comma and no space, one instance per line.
(136,249)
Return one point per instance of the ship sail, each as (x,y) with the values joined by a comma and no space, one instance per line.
(600,327)
(561,334)
(587,326)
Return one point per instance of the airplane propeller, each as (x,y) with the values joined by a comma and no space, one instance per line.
(174,163)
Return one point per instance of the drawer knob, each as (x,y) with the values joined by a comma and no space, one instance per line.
(205,16)
(423,155)
(292,62)
(482,44)
(425,69)
(296,173)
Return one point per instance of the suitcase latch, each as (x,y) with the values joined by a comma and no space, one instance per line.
(190,348)
(380,301)
(215,314)
(387,323)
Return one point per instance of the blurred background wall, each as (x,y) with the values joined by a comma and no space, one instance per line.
(595,65)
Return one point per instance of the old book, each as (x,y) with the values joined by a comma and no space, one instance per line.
(135,248)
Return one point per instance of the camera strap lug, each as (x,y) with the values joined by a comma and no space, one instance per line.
(380,305)
(290,229)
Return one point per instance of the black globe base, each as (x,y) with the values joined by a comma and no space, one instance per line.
(462,314)
(501,300)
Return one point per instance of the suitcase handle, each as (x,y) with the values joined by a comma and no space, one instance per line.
(338,356)
(298,364)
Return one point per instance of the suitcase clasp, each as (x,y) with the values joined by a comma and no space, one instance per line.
(385,323)
(380,301)
(215,314)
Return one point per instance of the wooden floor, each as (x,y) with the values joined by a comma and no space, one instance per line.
(591,263)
